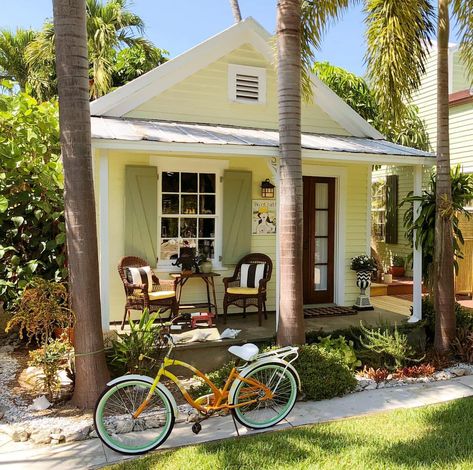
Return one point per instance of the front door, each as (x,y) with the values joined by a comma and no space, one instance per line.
(319,225)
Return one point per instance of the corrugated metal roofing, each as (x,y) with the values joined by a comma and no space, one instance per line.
(191,133)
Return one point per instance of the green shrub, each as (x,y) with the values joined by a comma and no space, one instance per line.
(323,374)
(390,345)
(341,347)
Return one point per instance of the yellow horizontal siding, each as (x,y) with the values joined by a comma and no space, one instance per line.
(460,76)
(203,97)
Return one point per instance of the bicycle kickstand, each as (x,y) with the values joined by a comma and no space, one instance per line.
(235,424)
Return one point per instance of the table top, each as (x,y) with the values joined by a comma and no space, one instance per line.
(181,275)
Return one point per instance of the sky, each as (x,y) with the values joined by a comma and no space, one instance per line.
(178,25)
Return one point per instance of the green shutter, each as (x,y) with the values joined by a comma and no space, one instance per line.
(236,215)
(392,209)
(141,212)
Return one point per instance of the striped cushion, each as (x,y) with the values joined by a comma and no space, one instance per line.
(251,274)
(141,275)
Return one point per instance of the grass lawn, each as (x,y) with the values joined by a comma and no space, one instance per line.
(439,436)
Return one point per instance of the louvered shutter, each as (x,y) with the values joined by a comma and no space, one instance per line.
(236,215)
(392,209)
(141,212)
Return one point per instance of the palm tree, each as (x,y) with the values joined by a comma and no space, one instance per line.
(288,27)
(398,33)
(236,10)
(110,27)
(74,123)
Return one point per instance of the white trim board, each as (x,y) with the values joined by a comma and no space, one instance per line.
(134,93)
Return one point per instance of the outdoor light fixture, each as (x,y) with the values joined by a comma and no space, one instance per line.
(267,189)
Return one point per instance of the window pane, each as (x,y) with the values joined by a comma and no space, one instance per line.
(170,182)
(170,204)
(206,248)
(321,250)
(188,182)
(321,223)
(188,204)
(189,228)
(207,204)
(206,228)
(207,183)
(320,278)
(321,196)
(169,249)
(169,227)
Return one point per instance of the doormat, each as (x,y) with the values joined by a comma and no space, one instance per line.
(334,311)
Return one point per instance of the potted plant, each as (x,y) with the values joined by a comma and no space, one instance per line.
(41,310)
(364,266)
(398,266)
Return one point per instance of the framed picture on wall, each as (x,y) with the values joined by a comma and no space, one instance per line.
(263,217)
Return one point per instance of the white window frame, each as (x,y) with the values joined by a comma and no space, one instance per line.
(260,72)
(192,165)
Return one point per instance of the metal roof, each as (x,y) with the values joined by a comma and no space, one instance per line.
(192,133)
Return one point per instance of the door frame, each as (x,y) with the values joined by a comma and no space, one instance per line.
(341,175)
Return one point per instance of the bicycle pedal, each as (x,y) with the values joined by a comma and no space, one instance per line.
(196,428)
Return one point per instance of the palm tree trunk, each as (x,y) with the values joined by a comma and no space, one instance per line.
(291,320)
(236,10)
(443,259)
(79,201)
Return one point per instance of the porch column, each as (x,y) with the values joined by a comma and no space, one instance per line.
(417,254)
(104,241)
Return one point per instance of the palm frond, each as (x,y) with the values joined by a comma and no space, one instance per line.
(463,15)
(398,35)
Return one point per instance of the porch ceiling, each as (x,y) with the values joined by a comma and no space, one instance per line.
(137,130)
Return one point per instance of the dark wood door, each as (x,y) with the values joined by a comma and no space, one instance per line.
(319,226)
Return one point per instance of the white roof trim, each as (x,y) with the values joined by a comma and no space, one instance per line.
(134,93)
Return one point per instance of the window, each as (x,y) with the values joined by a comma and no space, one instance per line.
(246,84)
(188,214)
(378,209)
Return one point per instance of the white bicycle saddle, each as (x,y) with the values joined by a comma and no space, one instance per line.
(247,352)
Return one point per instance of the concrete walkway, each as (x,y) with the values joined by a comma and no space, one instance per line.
(91,453)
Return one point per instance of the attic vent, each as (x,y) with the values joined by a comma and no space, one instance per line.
(246,84)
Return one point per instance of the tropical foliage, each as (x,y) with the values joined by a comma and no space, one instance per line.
(424,224)
(118,51)
(408,130)
(32,232)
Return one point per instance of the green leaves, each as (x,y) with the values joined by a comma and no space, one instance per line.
(3,203)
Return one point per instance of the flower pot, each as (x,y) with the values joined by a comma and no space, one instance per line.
(388,278)
(363,279)
(398,271)
(206,266)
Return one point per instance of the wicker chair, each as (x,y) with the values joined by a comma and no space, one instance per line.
(245,297)
(137,295)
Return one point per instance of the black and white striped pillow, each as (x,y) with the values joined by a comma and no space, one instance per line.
(141,275)
(251,274)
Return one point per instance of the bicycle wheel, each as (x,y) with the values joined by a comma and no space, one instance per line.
(116,426)
(268,412)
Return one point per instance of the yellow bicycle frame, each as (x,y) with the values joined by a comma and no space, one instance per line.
(220,396)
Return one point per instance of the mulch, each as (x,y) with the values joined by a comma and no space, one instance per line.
(332,311)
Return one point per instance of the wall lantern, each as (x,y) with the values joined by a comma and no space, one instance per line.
(267,189)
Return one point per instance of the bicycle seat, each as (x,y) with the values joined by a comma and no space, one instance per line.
(247,352)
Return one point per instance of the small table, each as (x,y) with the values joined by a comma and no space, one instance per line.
(208,279)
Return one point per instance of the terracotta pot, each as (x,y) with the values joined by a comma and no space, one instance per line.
(398,271)
(69,332)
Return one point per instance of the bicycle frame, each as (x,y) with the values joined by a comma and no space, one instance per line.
(220,401)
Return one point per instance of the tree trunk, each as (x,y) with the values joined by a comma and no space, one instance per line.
(291,318)
(74,120)
(443,258)
(236,10)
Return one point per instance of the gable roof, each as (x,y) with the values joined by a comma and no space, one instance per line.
(134,93)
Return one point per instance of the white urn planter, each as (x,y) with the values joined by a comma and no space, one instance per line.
(363,281)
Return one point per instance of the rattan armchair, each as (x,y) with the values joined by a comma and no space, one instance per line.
(162,298)
(246,297)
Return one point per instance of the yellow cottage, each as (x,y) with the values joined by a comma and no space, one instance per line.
(181,154)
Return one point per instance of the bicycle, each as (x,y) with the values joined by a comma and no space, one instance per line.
(136,413)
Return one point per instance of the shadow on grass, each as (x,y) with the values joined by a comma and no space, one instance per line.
(445,438)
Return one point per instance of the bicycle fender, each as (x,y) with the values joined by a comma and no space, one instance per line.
(251,367)
(149,380)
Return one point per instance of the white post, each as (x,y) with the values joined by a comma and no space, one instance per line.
(104,241)
(417,254)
